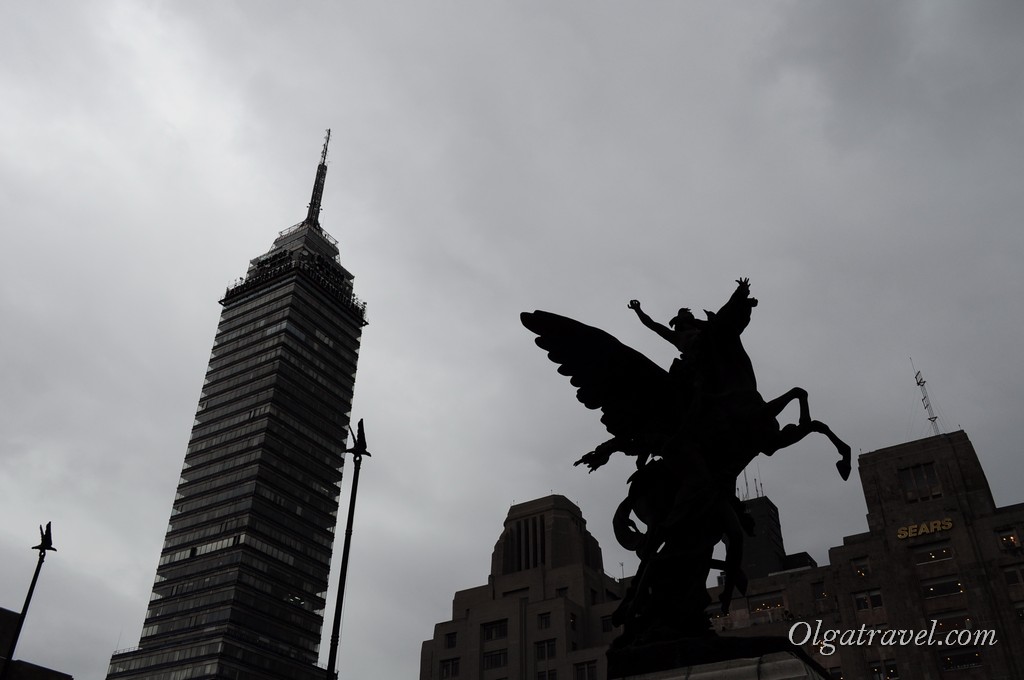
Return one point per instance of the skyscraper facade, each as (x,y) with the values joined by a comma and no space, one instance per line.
(242,579)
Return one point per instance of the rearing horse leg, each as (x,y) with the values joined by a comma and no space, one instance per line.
(843,464)
(776,405)
(791,434)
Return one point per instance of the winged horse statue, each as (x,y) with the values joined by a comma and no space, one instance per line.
(692,428)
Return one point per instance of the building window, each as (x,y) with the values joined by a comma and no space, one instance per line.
(1014,575)
(495,630)
(966,657)
(324,338)
(544,620)
(561,592)
(449,668)
(935,552)
(884,670)
(585,671)
(525,544)
(498,659)
(867,600)
(953,621)
(1008,541)
(712,611)
(941,587)
(547,675)
(766,608)
(572,622)
(1020,611)
(450,639)
(920,483)
(819,590)
(769,601)
(545,649)
(607,626)
(861,567)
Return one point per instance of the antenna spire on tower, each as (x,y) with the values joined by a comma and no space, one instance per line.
(313,216)
(932,418)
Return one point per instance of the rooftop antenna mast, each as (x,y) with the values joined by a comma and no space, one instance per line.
(932,418)
(313,216)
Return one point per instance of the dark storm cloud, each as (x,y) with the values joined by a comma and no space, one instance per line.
(936,78)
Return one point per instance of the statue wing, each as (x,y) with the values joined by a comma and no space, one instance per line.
(633,393)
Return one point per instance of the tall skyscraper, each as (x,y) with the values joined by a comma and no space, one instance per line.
(241,584)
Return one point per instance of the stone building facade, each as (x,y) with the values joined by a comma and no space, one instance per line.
(937,549)
(545,612)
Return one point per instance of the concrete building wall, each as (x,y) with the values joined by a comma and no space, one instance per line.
(545,612)
(937,548)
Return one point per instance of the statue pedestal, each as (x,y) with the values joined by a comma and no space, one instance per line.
(724,658)
(777,666)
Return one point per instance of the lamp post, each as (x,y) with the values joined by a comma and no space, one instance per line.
(357,451)
(45,544)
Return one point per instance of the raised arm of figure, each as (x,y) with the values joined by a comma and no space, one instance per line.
(662,330)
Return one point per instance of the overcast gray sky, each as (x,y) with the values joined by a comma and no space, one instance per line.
(862,163)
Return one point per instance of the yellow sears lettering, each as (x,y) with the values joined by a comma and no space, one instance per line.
(924,528)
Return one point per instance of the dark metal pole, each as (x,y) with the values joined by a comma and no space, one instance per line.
(45,544)
(357,451)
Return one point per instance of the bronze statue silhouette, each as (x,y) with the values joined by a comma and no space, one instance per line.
(681,331)
(692,430)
